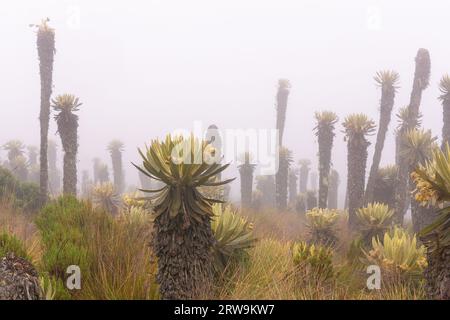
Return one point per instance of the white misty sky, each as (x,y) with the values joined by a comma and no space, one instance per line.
(145,68)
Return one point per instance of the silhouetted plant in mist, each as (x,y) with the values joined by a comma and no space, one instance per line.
(387,81)
(282,99)
(444,87)
(292,185)
(16,163)
(384,189)
(115,149)
(54,173)
(33,165)
(411,120)
(266,186)
(246,171)
(303,174)
(281,178)
(46,52)
(325,134)
(333,191)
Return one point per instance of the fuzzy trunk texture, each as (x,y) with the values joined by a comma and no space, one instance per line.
(246,174)
(304,173)
(437,274)
(282,99)
(421,80)
(386,105)
(183,247)
(325,137)
(46,51)
(356,159)
(116,157)
(446,127)
(281,182)
(333,190)
(68,128)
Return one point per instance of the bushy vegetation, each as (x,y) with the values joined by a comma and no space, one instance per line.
(114,258)
(23,195)
(9,243)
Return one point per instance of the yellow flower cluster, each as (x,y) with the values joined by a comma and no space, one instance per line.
(424,193)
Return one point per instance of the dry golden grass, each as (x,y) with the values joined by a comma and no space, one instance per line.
(20,224)
(286,226)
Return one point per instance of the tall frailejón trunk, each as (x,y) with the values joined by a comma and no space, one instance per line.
(387,82)
(421,81)
(282,99)
(46,51)
(281,178)
(303,175)
(292,186)
(333,190)
(356,159)
(246,174)
(325,134)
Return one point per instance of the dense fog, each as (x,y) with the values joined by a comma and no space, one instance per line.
(145,68)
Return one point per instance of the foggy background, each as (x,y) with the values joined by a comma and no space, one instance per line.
(145,68)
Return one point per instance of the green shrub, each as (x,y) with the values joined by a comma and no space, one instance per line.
(66,225)
(24,195)
(11,244)
(113,254)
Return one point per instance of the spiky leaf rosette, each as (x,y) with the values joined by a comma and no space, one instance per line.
(315,259)
(433,188)
(444,87)
(234,235)
(404,119)
(115,146)
(105,196)
(417,146)
(398,254)
(321,224)
(15,148)
(374,220)
(358,126)
(182,232)
(387,79)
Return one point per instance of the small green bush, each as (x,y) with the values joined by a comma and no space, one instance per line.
(66,225)
(11,244)
(24,195)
